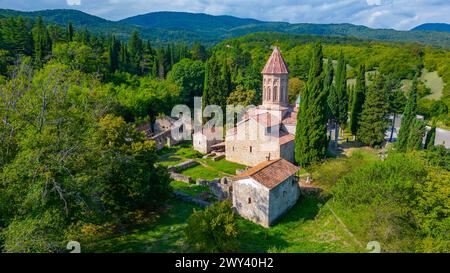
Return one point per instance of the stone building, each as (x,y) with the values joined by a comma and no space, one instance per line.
(265,192)
(266,132)
(204,140)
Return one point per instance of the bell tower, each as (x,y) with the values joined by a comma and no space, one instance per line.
(275,81)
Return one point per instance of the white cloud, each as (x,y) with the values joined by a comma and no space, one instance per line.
(374,2)
(73,2)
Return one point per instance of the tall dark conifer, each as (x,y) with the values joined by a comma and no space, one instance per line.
(311,132)
(359,95)
(409,115)
(69,32)
(373,121)
(341,91)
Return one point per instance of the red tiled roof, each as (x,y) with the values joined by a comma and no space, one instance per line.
(291,119)
(286,138)
(270,173)
(275,64)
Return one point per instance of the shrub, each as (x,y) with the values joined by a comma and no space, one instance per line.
(213,229)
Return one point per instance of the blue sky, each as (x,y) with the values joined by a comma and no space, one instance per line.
(397,14)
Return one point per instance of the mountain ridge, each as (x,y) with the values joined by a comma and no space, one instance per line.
(440,27)
(166,26)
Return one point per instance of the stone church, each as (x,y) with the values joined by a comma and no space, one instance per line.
(266,132)
(264,193)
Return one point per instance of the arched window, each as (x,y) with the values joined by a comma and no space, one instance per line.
(275,93)
(249,200)
(268,93)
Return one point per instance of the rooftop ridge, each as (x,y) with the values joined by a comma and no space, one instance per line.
(276,63)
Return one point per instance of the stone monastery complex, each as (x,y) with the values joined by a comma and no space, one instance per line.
(264,140)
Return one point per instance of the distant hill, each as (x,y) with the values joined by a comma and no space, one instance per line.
(441,27)
(190,27)
(60,17)
(188,21)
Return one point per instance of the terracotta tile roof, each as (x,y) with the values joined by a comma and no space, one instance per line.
(291,119)
(270,173)
(275,64)
(267,119)
(286,138)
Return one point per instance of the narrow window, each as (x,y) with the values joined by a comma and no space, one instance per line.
(233,148)
(249,200)
(251,149)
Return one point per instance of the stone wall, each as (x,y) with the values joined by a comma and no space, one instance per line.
(287,151)
(201,143)
(256,208)
(164,139)
(182,166)
(180,177)
(282,198)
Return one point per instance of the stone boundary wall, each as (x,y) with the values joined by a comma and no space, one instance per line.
(180,177)
(220,188)
(182,166)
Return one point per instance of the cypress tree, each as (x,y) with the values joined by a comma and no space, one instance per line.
(311,132)
(327,87)
(416,134)
(114,48)
(431,136)
(372,124)
(359,94)
(42,43)
(70,32)
(328,83)
(341,91)
(409,115)
(135,49)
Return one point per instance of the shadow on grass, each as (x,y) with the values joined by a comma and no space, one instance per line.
(255,238)
(170,158)
(163,235)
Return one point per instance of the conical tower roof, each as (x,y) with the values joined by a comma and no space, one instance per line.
(275,64)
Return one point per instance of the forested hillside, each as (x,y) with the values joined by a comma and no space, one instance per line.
(434,27)
(74,166)
(163,27)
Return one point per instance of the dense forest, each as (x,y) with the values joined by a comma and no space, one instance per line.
(72,161)
(164,27)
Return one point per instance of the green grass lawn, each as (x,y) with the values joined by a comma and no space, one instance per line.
(190,189)
(163,235)
(434,82)
(200,171)
(224,166)
(170,160)
(308,227)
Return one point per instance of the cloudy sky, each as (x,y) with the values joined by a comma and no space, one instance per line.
(397,14)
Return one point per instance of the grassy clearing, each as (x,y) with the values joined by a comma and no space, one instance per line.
(434,82)
(170,160)
(308,227)
(223,165)
(190,189)
(200,171)
(326,174)
(163,235)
